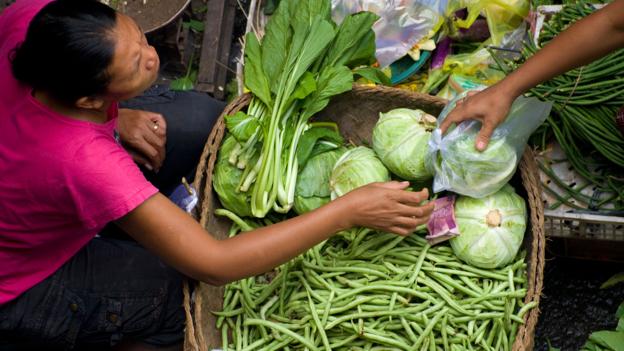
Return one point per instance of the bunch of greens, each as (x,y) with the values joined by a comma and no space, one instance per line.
(303,60)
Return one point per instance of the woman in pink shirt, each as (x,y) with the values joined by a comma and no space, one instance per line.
(64,66)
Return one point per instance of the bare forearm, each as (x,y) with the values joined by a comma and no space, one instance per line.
(173,235)
(220,261)
(260,250)
(585,41)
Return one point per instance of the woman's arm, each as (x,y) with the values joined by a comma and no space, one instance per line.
(177,238)
(588,39)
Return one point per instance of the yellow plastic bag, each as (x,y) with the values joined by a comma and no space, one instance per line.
(502,16)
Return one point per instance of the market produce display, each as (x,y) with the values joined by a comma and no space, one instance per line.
(361,289)
(377,291)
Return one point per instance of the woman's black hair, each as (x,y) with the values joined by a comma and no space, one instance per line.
(68,49)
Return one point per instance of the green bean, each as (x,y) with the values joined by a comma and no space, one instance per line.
(526,308)
(432,343)
(443,331)
(224,337)
(281,329)
(429,328)
(347,269)
(392,302)
(317,321)
(333,321)
(481,331)
(255,345)
(445,296)
(327,308)
(408,330)
(279,345)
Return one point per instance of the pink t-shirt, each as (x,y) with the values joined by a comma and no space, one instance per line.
(61,179)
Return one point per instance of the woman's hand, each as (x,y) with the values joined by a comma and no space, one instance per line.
(388,207)
(144,135)
(489,106)
(175,236)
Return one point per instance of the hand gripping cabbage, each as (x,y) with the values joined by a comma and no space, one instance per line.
(356,168)
(459,167)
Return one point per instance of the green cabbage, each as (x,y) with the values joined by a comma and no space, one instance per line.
(312,190)
(227,179)
(357,167)
(491,228)
(461,168)
(400,139)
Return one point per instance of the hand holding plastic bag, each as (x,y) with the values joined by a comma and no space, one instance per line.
(459,167)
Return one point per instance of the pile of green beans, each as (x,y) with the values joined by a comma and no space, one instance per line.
(374,291)
(586,101)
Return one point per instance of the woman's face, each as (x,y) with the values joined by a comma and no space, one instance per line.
(135,63)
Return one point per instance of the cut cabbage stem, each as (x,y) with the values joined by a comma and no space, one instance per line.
(494,218)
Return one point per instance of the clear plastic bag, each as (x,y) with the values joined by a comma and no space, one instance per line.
(402,23)
(460,168)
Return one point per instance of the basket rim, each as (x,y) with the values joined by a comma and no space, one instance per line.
(527,168)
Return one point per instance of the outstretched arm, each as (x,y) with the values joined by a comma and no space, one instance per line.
(173,235)
(588,39)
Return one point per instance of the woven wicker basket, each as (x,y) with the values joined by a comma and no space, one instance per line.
(356,113)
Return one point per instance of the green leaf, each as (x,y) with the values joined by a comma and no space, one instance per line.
(195,25)
(306,86)
(276,44)
(612,339)
(309,9)
(322,147)
(182,84)
(241,126)
(255,78)
(353,40)
(308,43)
(373,74)
(313,179)
(332,81)
(309,140)
(616,279)
(364,53)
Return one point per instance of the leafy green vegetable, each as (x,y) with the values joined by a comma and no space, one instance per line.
(309,141)
(312,189)
(616,279)
(226,181)
(612,340)
(400,139)
(491,228)
(373,74)
(241,126)
(302,61)
(357,167)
